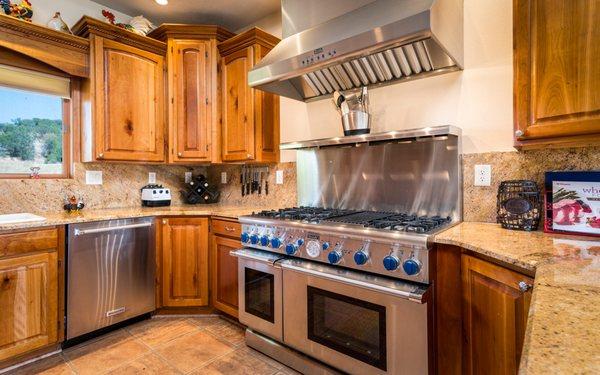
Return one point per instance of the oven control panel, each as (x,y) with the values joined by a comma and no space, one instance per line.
(385,258)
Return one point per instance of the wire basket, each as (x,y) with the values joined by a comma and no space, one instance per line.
(519,205)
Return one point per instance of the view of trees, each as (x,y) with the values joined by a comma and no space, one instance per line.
(19,137)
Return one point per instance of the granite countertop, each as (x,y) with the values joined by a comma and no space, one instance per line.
(563,328)
(87,215)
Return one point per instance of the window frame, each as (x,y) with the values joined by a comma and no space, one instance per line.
(67,141)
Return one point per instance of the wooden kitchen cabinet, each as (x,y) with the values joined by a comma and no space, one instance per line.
(495,312)
(192,60)
(250,118)
(30,298)
(223,266)
(556,73)
(184,262)
(123,116)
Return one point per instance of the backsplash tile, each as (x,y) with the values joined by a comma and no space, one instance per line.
(480,202)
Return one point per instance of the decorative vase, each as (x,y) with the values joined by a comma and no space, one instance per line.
(57,23)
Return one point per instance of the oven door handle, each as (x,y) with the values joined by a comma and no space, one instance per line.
(395,288)
(257,256)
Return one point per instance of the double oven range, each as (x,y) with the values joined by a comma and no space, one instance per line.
(344,279)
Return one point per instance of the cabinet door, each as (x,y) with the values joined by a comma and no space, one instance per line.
(192,106)
(28,303)
(224,291)
(130,100)
(494,317)
(238,106)
(266,120)
(557,74)
(185,262)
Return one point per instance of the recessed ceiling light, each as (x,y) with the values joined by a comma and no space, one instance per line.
(162,2)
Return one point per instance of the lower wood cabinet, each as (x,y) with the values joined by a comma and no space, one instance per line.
(495,311)
(29,292)
(184,262)
(224,275)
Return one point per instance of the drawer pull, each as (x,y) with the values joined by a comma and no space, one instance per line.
(229,229)
(118,311)
(523,286)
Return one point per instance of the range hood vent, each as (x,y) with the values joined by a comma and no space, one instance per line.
(382,42)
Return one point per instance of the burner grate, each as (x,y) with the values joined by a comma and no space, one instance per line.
(360,218)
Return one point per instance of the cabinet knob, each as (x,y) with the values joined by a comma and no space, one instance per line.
(100,156)
(164,221)
(180,154)
(519,133)
(523,286)
(248,156)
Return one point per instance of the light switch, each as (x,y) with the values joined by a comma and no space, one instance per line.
(483,175)
(93,177)
(151,177)
(279,177)
(223,177)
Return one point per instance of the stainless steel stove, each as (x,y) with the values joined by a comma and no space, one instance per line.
(386,243)
(345,277)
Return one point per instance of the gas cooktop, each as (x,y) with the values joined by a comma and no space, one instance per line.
(392,221)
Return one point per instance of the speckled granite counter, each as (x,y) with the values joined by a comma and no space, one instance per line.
(62,218)
(563,329)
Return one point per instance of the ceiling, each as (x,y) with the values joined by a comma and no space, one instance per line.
(232,14)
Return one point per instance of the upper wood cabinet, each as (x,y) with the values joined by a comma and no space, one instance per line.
(185,262)
(29,292)
(124,99)
(192,60)
(556,73)
(495,311)
(250,118)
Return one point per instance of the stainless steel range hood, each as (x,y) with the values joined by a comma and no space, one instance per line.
(378,43)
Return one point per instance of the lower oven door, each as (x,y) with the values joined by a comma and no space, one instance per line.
(260,291)
(358,323)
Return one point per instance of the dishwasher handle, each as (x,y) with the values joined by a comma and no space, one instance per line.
(81,232)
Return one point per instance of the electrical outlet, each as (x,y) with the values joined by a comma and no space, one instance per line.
(223,177)
(93,177)
(188,177)
(483,175)
(279,177)
(151,177)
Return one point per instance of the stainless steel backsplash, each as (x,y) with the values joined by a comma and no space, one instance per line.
(421,176)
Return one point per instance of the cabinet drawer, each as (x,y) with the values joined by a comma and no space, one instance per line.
(226,228)
(28,241)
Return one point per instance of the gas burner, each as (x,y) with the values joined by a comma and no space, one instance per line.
(392,221)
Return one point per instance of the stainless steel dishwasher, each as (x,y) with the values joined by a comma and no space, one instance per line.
(110,273)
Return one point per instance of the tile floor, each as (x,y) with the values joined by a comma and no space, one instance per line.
(163,345)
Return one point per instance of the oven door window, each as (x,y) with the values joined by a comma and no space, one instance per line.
(260,294)
(348,325)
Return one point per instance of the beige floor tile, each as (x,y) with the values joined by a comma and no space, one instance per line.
(263,357)
(192,351)
(148,364)
(227,331)
(204,322)
(239,362)
(155,332)
(105,354)
(55,365)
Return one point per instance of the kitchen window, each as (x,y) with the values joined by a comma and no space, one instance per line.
(35,112)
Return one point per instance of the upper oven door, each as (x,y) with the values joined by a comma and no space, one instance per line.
(358,323)
(260,291)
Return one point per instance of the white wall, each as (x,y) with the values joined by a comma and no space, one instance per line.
(478,99)
(70,10)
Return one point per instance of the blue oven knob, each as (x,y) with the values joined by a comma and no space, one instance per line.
(360,257)
(325,245)
(254,239)
(411,267)
(264,240)
(300,241)
(391,263)
(245,237)
(334,257)
(275,242)
(291,249)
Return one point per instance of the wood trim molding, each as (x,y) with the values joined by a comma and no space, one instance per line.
(183,31)
(248,38)
(68,53)
(87,26)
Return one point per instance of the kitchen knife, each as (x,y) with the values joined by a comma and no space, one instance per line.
(260,182)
